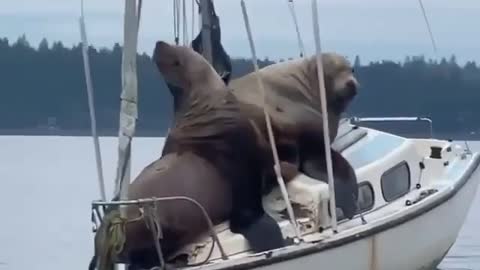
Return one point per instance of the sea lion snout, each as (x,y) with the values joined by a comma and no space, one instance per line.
(346,90)
(351,87)
(161,51)
(158,52)
(160,46)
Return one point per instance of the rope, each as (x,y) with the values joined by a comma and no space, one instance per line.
(428,26)
(112,237)
(154,226)
(151,219)
(91,105)
(269,127)
(301,48)
(323,100)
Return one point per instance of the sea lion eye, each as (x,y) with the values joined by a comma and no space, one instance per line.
(353,70)
(176,63)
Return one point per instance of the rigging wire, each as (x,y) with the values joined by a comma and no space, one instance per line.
(432,39)
(176,21)
(91,104)
(269,126)
(185,23)
(323,100)
(193,20)
(301,47)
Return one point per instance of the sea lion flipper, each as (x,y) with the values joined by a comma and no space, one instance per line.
(346,180)
(346,186)
(264,234)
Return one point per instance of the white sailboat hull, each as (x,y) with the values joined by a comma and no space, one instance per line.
(420,243)
(410,232)
(420,193)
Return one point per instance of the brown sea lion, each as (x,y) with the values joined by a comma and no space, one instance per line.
(291,88)
(213,154)
(293,102)
(210,122)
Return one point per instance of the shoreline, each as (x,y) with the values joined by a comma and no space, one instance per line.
(160,133)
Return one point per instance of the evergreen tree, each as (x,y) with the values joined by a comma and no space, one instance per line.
(46,86)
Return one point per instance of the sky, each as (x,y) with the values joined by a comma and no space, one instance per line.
(373,29)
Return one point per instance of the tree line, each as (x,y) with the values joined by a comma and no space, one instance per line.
(45,87)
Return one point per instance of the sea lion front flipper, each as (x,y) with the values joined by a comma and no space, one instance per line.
(346,186)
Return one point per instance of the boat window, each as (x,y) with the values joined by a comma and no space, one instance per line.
(365,196)
(396,182)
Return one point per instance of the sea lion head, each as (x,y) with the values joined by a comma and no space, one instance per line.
(341,86)
(184,68)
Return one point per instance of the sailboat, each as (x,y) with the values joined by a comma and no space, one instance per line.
(414,193)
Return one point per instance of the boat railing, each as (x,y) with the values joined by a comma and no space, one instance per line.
(356,120)
(147,206)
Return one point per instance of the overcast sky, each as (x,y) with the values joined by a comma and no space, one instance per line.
(373,29)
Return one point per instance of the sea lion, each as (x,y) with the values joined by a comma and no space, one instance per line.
(189,175)
(221,61)
(225,156)
(293,103)
(291,89)
(213,154)
(211,123)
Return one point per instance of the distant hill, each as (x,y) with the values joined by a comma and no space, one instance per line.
(45,86)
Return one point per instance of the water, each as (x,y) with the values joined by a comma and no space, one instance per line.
(48,183)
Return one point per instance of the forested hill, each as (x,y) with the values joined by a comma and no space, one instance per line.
(45,86)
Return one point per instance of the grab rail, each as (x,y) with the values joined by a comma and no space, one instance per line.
(394,119)
(141,203)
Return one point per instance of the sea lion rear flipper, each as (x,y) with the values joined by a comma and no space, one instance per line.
(264,234)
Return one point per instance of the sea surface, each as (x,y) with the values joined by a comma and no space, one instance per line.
(48,182)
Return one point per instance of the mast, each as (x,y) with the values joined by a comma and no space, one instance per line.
(206,27)
(128,106)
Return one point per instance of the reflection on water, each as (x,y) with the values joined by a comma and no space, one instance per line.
(48,183)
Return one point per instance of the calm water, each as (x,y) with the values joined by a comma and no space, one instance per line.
(48,183)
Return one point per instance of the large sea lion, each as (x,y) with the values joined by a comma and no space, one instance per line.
(211,124)
(213,154)
(221,61)
(293,103)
